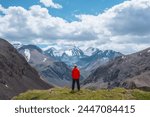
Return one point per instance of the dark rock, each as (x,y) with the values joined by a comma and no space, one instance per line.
(16,75)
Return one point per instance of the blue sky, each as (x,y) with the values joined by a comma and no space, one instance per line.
(70,7)
(121,25)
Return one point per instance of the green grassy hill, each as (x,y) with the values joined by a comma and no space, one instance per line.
(84,94)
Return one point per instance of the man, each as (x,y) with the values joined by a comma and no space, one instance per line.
(75,77)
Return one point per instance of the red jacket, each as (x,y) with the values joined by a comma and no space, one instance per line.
(75,73)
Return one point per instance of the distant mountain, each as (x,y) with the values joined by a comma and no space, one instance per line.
(102,57)
(53,71)
(74,52)
(52,52)
(16,75)
(83,59)
(97,58)
(72,56)
(69,56)
(90,51)
(34,55)
(130,71)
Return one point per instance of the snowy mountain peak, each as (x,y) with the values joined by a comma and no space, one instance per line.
(31,47)
(72,55)
(90,51)
(111,53)
(75,51)
(53,52)
(52,48)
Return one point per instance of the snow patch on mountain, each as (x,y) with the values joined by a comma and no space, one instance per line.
(27,54)
(90,51)
(108,52)
(123,57)
(69,52)
(54,52)
(6,85)
(44,59)
(74,51)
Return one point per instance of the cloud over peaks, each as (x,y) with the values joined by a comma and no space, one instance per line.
(124,27)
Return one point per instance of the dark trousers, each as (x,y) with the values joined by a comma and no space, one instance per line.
(73,84)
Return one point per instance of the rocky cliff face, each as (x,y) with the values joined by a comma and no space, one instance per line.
(57,73)
(16,75)
(131,71)
(54,72)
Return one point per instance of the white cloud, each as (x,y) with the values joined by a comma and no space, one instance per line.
(1,8)
(50,3)
(124,27)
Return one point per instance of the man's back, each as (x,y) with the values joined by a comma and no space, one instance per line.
(75,78)
(75,73)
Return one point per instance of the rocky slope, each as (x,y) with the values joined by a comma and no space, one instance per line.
(131,71)
(57,73)
(53,71)
(16,75)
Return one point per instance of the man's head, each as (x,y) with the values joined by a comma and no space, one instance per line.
(75,66)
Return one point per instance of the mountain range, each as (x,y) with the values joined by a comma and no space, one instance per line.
(29,67)
(130,71)
(74,55)
(100,69)
(51,62)
(87,60)
(16,75)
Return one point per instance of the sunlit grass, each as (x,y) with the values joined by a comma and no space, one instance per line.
(84,94)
